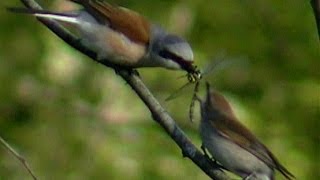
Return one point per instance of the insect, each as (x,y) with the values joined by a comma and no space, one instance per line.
(195,76)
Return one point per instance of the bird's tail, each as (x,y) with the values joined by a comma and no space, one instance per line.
(285,172)
(64,17)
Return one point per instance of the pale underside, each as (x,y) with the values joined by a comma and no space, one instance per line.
(114,46)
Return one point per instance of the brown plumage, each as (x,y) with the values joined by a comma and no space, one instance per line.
(130,23)
(219,114)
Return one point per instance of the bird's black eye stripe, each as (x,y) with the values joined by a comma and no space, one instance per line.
(186,65)
(169,55)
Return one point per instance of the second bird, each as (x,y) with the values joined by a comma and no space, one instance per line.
(232,144)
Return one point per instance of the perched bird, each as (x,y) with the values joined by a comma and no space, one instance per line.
(233,145)
(124,37)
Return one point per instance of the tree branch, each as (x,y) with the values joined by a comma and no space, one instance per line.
(159,114)
(316,11)
(19,157)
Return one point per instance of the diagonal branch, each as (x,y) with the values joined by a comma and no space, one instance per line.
(19,157)
(159,114)
(316,11)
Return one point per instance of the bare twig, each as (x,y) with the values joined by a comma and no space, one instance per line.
(18,156)
(158,112)
(316,11)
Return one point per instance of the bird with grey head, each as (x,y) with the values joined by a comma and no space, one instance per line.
(123,36)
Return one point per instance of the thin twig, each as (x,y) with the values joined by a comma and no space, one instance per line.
(18,156)
(159,114)
(316,11)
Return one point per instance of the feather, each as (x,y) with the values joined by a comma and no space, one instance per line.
(64,17)
(123,20)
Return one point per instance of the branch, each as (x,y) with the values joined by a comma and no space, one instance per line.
(316,11)
(18,156)
(159,114)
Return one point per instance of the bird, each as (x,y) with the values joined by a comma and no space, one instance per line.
(232,144)
(124,37)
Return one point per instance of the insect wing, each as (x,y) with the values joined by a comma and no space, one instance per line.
(178,92)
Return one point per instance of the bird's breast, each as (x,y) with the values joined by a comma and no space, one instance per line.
(114,46)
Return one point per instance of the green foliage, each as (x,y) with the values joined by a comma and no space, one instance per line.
(75,119)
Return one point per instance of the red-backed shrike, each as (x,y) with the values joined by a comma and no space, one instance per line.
(124,37)
(232,144)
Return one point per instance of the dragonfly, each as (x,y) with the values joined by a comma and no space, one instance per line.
(195,76)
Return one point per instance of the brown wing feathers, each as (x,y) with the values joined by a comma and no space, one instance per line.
(256,148)
(239,134)
(128,22)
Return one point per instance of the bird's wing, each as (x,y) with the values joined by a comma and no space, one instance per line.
(123,20)
(239,134)
(234,131)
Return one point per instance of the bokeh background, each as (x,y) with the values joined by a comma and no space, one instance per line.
(72,118)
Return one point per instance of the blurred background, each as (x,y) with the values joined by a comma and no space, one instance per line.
(72,118)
